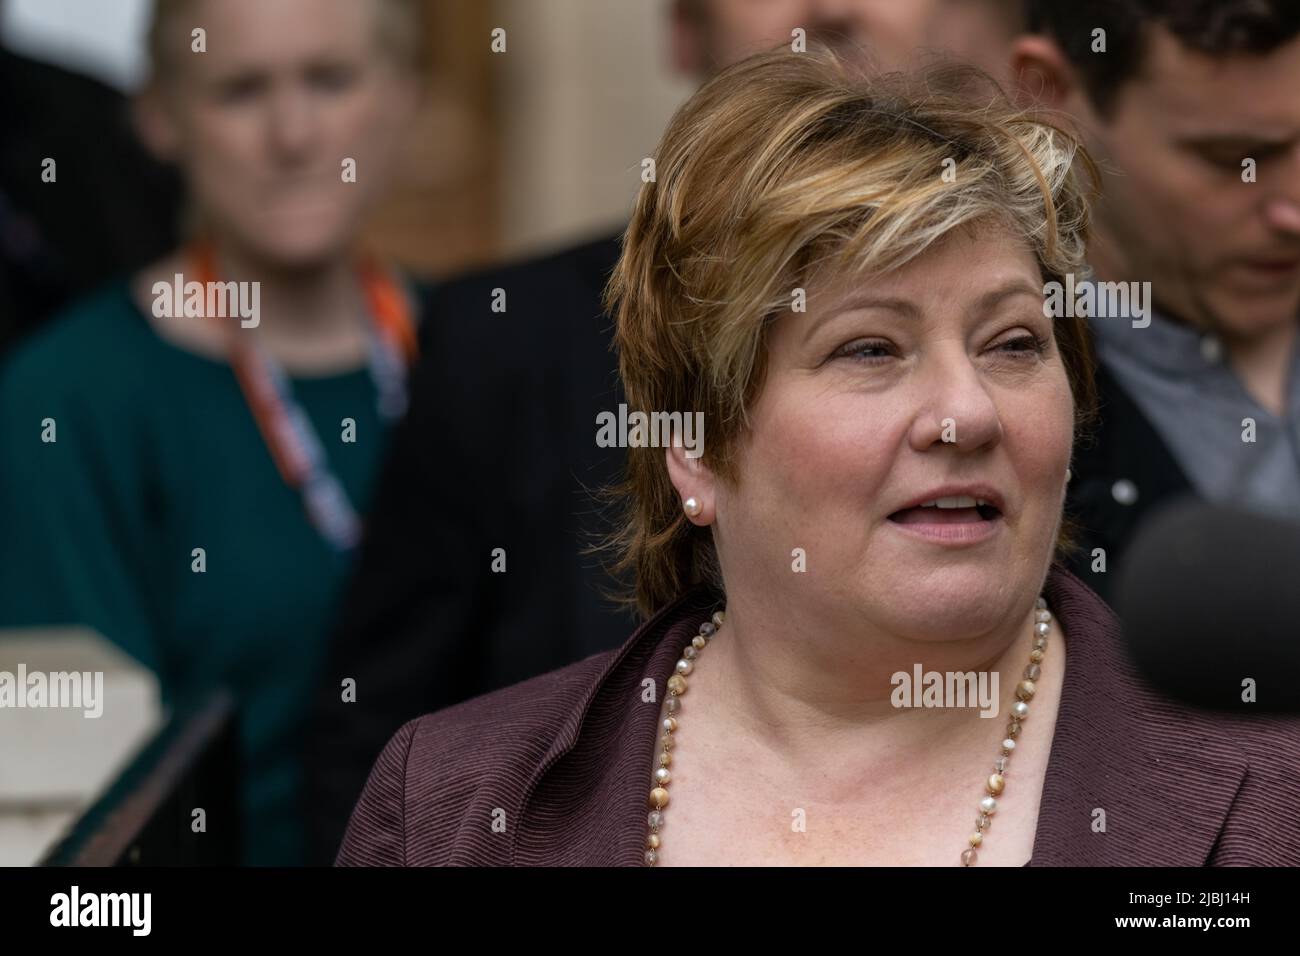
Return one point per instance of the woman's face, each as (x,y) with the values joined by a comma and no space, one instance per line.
(263,122)
(939,380)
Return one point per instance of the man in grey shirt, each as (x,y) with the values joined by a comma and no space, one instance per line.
(1190,109)
(1232,449)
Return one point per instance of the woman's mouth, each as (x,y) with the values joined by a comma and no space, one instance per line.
(960,509)
(958,519)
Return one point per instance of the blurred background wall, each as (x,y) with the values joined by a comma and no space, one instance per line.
(516,153)
(584,97)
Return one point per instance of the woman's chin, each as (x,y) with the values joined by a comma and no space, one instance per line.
(941,604)
(297,250)
(297,236)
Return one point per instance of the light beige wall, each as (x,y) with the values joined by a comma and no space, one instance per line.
(584,90)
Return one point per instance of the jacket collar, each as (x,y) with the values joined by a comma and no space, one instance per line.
(610,744)
(1128,782)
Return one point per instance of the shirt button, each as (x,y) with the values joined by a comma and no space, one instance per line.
(1124,491)
(1211,349)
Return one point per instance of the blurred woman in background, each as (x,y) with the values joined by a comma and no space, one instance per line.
(186,471)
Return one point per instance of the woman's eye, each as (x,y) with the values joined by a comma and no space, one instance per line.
(240,89)
(872,353)
(1024,345)
(333,79)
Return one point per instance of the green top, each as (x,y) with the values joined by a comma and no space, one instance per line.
(155,454)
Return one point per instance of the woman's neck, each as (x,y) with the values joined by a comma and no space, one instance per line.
(310,319)
(788,683)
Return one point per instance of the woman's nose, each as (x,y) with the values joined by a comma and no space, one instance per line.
(955,407)
(292,123)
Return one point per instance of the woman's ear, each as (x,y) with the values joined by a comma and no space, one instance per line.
(694,481)
(155,125)
(408,95)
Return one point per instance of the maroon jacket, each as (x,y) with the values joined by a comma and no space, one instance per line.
(561,762)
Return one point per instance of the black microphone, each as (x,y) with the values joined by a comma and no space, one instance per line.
(1209,597)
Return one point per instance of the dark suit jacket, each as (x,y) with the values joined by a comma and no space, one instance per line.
(498,450)
(111,209)
(568,756)
(1124,446)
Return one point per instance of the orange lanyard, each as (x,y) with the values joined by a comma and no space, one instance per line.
(296,450)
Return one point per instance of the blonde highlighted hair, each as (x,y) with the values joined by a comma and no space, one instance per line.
(781,165)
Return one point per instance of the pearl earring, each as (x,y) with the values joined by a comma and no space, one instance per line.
(1068,475)
(692,506)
